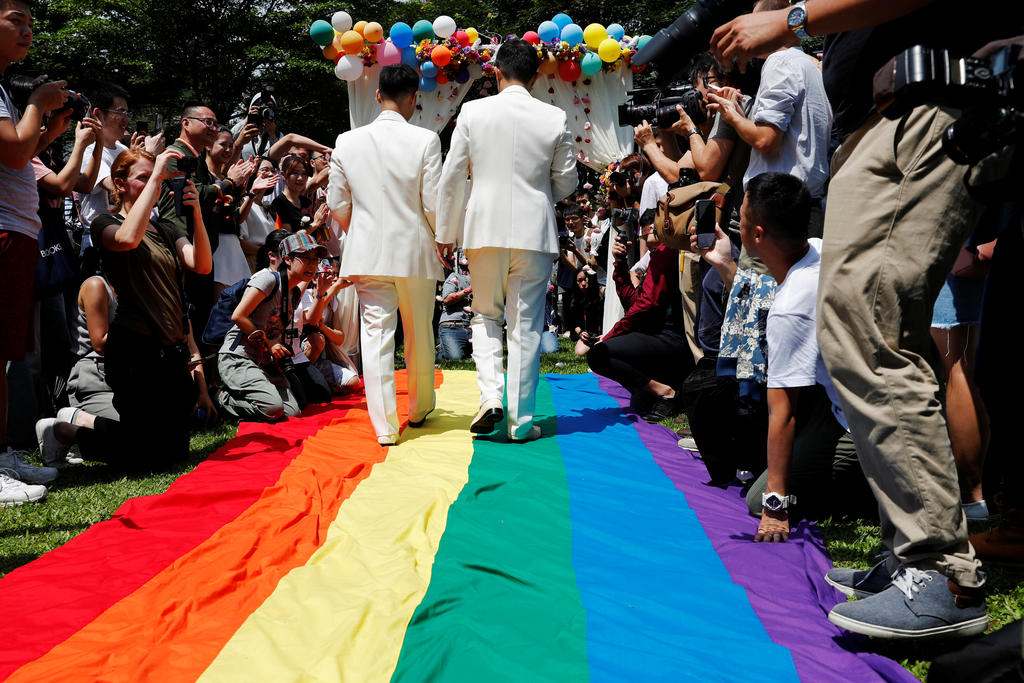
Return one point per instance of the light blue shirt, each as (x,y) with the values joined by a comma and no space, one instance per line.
(792,98)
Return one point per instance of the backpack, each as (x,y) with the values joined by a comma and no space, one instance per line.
(219,323)
(674,221)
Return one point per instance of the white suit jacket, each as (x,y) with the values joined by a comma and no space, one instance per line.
(382,190)
(519,153)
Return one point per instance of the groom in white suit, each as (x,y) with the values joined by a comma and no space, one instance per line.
(519,153)
(383,188)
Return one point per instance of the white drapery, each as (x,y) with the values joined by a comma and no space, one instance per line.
(434,109)
(601,94)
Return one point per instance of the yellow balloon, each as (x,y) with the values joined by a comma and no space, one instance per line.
(351,42)
(373,32)
(359,27)
(594,35)
(609,50)
(473,34)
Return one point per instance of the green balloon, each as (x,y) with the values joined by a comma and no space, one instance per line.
(422,30)
(643,41)
(591,63)
(321,32)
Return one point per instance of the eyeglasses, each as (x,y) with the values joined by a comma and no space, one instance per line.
(709,80)
(123,113)
(209,123)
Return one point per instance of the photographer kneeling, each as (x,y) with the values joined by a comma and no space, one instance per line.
(646,351)
(145,348)
(256,354)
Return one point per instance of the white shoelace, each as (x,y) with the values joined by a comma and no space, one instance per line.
(909,580)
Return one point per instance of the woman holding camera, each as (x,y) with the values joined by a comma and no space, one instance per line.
(256,354)
(146,354)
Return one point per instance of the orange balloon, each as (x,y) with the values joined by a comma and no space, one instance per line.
(330,52)
(359,27)
(351,42)
(441,55)
(373,32)
(549,65)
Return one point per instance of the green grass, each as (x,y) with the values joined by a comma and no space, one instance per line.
(91,493)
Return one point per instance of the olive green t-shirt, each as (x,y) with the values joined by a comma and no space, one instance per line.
(148,281)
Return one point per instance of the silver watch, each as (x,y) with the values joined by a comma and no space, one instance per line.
(776,501)
(797,20)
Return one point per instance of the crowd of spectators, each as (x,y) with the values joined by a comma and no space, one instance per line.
(203,266)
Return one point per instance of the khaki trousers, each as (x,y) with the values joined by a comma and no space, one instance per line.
(896,216)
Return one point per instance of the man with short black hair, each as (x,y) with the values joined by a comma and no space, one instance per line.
(521,155)
(383,192)
(811,458)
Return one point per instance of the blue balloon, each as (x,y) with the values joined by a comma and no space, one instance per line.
(561,20)
(427,84)
(401,34)
(572,34)
(409,57)
(615,31)
(548,31)
(428,69)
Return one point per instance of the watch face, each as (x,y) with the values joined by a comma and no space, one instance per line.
(797,17)
(773,502)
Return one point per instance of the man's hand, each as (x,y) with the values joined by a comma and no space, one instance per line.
(50,96)
(249,133)
(87,132)
(989,48)
(684,125)
(241,170)
(751,35)
(206,403)
(280,351)
(154,144)
(620,248)
(720,254)
(774,527)
(446,254)
(728,104)
(643,134)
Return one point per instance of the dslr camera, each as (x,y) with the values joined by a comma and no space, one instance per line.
(265,110)
(984,88)
(187,165)
(21,88)
(658,105)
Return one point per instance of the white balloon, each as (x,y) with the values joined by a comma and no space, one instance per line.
(444,26)
(341,21)
(349,68)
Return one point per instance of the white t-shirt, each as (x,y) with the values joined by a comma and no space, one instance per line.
(792,98)
(655,187)
(794,359)
(97,202)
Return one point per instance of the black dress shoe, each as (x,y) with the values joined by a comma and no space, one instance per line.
(490,414)
(662,409)
(419,423)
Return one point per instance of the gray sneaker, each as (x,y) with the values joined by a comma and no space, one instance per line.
(918,604)
(19,469)
(859,583)
(54,453)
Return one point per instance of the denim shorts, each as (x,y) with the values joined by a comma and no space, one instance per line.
(959,302)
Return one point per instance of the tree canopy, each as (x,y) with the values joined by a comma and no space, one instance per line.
(221,52)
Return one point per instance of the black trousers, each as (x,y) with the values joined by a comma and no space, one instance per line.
(154,396)
(635,358)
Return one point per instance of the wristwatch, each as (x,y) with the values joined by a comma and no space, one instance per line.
(797,20)
(776,501)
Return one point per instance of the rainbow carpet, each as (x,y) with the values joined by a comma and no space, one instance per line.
(302,551)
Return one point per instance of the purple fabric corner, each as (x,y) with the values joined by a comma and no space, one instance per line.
(784,582)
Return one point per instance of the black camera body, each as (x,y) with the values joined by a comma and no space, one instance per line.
(674,46)
(984,88)
(658,106)
(21,88)
(187,165)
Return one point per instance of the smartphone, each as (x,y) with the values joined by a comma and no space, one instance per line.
(704,210)
(142,127)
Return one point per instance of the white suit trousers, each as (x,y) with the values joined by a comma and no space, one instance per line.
(380,300)
(509,285)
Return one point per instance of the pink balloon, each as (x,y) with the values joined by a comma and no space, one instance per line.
(388,54)
(531,37)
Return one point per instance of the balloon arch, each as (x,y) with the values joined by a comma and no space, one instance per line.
(585,71)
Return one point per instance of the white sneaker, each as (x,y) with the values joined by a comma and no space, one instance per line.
(67,414)
(687,443)
(53,451)
(531,435)
(19,469)
(14,492)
